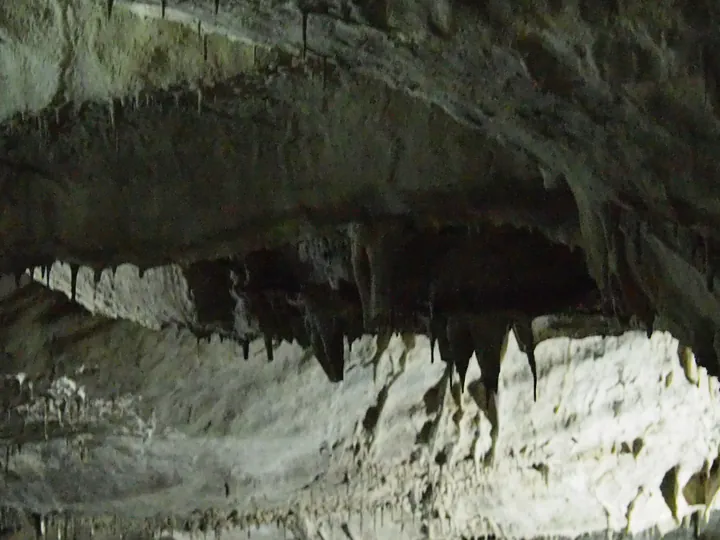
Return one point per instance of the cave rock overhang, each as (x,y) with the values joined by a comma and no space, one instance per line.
(299,141)
(463,285)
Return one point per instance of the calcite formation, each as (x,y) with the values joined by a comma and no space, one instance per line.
(175,438)
(307,175)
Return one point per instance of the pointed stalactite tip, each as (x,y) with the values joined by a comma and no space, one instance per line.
(74,269)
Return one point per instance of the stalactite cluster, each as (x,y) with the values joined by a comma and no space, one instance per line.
(463,287)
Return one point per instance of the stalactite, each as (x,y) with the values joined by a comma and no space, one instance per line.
(361,269)
(74,269)
(522,329)
(709,269)
(371,250)
(431,322)
(299,331)
(269,349)
(61,412)
(326,333)
(111,112)
(39,525)
(461,346)
(625,254)
(46,412)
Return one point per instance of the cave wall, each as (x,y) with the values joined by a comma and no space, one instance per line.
(158,132)
(160,430)
(159,137)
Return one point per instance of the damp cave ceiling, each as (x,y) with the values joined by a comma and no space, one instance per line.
(312,171)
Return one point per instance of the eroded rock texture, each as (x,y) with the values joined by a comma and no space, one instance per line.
(314,172)
(462,287)
(164,433)
(435,115)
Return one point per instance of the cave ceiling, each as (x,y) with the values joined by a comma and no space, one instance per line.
(315,171)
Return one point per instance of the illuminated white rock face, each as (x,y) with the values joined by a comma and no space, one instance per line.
(169,426)
(152,299)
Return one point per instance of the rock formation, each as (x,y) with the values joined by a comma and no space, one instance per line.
(375,204)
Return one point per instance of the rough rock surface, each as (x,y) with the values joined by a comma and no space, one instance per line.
(108,417)
(171,131)
(315,171)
